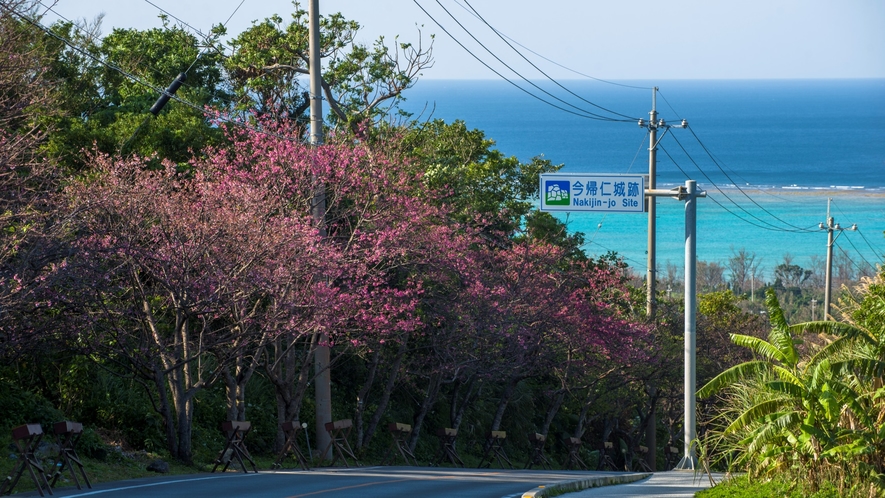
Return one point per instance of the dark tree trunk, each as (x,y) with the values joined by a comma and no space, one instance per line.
(388,390)
(558,398)
(289,373)
(459,406)
(506,396)
(361,398)
(166,412)
(433,386)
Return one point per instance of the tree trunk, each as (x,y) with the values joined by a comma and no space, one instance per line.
(433,386)
(185,431)
(289,373)
(166,411)
(388,390)
(361,398)
(459,407)
(504,401)
(558,398)
(183,402)
(650,426)
(607,427)
(235,386)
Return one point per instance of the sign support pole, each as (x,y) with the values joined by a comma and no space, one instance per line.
(689,193)
(689,459)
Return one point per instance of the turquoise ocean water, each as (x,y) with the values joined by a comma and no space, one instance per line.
(769,154)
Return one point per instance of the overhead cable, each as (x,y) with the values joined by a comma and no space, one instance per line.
(556,63)
(860,269)
(770,226)
(761,189)
(135,78)
(599,116)
(795,228)
(599,225)
(540,70)
(583,114)
(880,255)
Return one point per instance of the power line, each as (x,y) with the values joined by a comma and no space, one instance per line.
(606,118)
(746,182)
(637,263)
(586,114)
(770,226)
(858,252)
(604,215)
(713,199)
(157,71)
(797,228)
(880,255)
(859,268)
(207,39)
(540,70)
(136,79)
(556,63)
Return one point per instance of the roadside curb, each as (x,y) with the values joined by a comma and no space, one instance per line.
(581,484)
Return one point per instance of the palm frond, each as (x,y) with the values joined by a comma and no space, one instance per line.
(789,388)
(775,431)
(731,376)
(755,414)
(831,350)
(851,399)
(840,329)
(780,335)
(787,375)
(760,347)
(862,367)
(775,313)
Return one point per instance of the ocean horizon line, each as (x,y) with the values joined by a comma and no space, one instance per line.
(787,189)
(646,80)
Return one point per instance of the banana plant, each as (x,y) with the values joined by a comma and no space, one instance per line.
(793,407)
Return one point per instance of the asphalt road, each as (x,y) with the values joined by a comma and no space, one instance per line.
(367,482)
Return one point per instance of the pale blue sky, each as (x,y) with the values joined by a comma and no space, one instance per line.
(623,39)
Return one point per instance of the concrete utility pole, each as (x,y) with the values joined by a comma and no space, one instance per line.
(831,227)
(653,125)
(651,276)
(651,206)
(323,380)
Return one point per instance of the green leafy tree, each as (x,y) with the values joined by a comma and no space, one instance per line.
(269,67)
(108,85)
(486,189)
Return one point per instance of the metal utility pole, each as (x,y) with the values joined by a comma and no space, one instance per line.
(689,459)
(831,227)
(323,381)
(689,193)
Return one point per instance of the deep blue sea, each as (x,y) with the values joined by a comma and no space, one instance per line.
(769,153)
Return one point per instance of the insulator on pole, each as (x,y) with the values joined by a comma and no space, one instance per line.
(176,84)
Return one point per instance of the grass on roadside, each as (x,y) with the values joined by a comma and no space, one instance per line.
(742,487)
